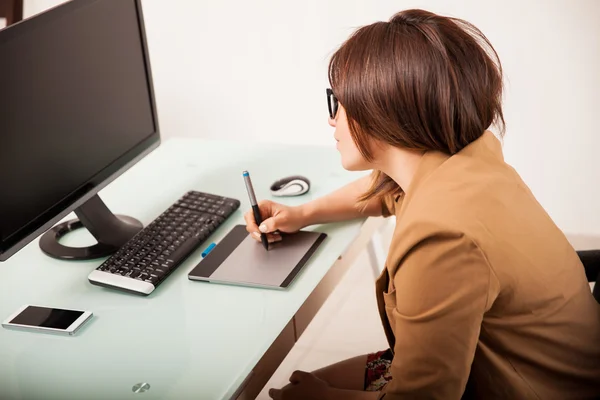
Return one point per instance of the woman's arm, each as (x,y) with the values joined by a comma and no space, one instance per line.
(342,204)
(339,205)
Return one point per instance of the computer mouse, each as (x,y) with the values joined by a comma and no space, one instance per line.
(290,186)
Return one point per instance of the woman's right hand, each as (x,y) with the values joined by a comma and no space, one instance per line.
(276,218)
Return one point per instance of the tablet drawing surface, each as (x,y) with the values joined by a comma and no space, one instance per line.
(239,259)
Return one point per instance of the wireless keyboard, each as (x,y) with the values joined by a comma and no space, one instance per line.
(156,251)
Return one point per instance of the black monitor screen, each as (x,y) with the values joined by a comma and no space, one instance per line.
(74,98)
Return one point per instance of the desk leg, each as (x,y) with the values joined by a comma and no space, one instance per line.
(267,365)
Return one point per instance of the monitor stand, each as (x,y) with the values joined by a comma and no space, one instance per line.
(111,232)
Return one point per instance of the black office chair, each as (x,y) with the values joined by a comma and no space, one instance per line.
(591,263)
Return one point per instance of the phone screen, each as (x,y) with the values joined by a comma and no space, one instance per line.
(47,317)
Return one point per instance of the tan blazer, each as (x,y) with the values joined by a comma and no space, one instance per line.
(481,291)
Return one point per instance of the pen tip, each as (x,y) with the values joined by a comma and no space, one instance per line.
(245,173)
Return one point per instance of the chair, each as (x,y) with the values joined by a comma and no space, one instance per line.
(591,263)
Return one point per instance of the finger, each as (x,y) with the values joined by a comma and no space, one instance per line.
(275,394)
(298,376)
(269,225)
(250,222)
(273,237)
(251,226)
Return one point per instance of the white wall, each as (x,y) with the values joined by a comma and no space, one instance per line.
(257,69)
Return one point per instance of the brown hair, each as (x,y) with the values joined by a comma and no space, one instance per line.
(421,82)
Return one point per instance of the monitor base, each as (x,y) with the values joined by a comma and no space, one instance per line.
(111,232)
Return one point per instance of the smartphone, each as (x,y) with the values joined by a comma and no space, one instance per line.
(49,320)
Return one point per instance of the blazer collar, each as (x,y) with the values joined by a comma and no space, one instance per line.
(486,146)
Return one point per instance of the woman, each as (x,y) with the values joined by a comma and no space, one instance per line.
(482,296)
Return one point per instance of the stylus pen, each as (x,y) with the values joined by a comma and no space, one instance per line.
(255,209)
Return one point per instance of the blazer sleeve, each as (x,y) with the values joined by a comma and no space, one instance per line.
(441,290)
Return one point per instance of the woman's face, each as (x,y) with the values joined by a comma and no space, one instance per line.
(352,160)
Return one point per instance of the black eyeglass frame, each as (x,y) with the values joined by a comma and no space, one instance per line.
(332,103)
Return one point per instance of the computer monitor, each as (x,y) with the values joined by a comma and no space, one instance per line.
(76,110)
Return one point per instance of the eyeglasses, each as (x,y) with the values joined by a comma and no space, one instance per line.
(332,103)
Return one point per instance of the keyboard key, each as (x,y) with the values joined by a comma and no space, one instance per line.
(166,266)
(185,249)
(224,211)
(232,205)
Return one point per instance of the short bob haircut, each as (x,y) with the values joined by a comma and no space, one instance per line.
(421,82)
